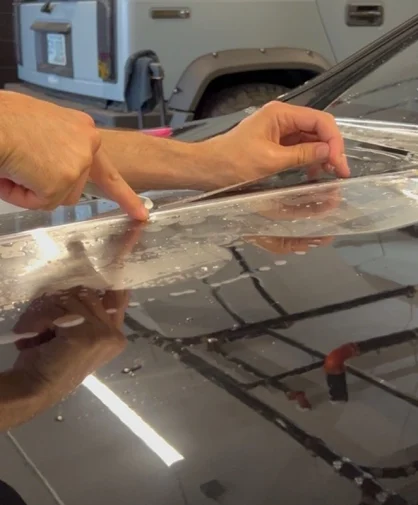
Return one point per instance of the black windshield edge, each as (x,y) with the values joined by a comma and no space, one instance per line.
(322,90)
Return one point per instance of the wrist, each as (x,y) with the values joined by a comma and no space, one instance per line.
(217,166)
(20,399)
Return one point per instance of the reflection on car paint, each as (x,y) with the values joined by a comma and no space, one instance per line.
(180,277)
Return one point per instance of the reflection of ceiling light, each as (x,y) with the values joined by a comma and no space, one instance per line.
(133,421)
(48,246)
(48,250)
(410,194)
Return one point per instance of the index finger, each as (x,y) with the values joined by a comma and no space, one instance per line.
(116,188)
(39,315)
(303,119)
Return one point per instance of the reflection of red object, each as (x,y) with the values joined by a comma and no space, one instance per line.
(335,361)
(30,343)
(159,132)
(300,398)
(337,102)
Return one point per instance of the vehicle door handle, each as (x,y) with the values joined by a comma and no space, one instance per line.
(364,15)
(170,13)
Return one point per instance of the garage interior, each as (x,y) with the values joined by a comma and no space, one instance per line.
(8,71)
(283,376)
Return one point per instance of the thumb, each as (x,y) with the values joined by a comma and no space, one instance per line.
(303,154)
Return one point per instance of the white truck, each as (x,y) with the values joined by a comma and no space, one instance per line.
(130,63)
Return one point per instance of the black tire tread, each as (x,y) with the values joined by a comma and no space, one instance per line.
(239,97)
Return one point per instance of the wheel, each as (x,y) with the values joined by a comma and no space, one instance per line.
(9,495)
(239,97)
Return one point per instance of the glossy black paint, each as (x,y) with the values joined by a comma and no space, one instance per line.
(224,367)
(230,370)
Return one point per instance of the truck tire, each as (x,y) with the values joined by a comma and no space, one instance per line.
(239,97)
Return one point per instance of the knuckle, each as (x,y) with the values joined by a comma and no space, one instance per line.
(49,206)
(71,200)
(63,181)
(302,157)
(95,140)
(86,119)
(69,177)
(37,206)
(84,163)
(272,106)
(329,117)
(50,192)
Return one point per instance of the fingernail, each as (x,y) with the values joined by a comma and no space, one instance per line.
(69,321)
(322,152)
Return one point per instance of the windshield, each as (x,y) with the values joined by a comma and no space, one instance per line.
(389,93)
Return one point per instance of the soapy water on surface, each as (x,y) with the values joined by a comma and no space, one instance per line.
(148,203)
(395,135)
(194,242)
(280,262)
(364,205)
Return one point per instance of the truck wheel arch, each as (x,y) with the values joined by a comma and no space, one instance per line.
(205,69)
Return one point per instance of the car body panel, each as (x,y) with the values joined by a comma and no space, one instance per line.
(345,39)
(242,325)
(212,283)
(345,90)
(117,33)
(136,30)
(203,70)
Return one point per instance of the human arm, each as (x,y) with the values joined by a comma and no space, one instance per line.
(20,400)
(56,358)
(47,153)
(53,364)
(277,137)
(148,162)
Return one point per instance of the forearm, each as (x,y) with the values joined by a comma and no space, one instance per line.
(22,397)
(19,400)
(148,162)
